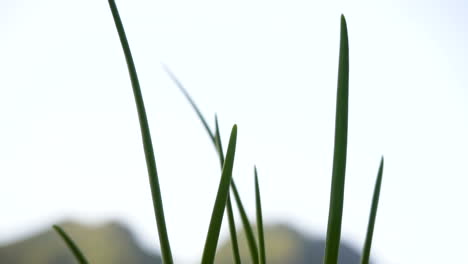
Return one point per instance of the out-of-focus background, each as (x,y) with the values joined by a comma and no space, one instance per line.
(70,144)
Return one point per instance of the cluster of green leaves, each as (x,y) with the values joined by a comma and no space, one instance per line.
(223,197)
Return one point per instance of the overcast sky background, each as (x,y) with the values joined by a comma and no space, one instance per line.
(70,143)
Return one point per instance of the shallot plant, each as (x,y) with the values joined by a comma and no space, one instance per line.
(227,190)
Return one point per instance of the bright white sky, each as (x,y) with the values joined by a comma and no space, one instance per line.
(70,143)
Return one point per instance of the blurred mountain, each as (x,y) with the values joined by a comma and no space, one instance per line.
(109,243)
(287,245)
(113,243)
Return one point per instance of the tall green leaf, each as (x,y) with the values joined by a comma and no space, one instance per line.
(261,239)
(245,220)
(232,224)
(146,137)
(220,203)
(339,157)
(373,214)
(249,234)
(192,103)
(232,232)
(71,245)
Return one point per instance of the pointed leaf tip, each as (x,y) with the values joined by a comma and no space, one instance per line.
(261,239)
(372,216)
(146,138)
(221,198)
(340,153)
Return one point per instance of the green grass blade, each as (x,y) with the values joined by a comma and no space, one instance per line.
(220,203)
(247,227)
(232,232)
(146,137)
(339,158)
(232,223)
(372,216)
(252,245)
(218,142)
(245,221)
(261,239)
(192,103)
(71,245)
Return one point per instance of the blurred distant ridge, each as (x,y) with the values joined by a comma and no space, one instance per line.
(109,243)
(285,245)
(113,243)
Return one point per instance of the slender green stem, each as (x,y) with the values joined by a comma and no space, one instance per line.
(192,103)
(261,239)
(71,245)
(146,137)
(339,157)
(373,214)
(232,232)
(247,228)
(220,203)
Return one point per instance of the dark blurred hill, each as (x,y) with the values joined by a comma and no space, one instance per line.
(284,244)
(113,243)
(109,243)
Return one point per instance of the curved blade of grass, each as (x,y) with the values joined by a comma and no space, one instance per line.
(232,232)
(192,103)
(232,223)
(146,137)
(373,214)
(261,239)
(339,157)
(245,221)
(220,203)
(218,143)
(247,228)
(71,245)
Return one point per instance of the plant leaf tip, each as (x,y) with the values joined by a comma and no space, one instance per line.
(166,68)
(382,161)
(343,22)
(344,26)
